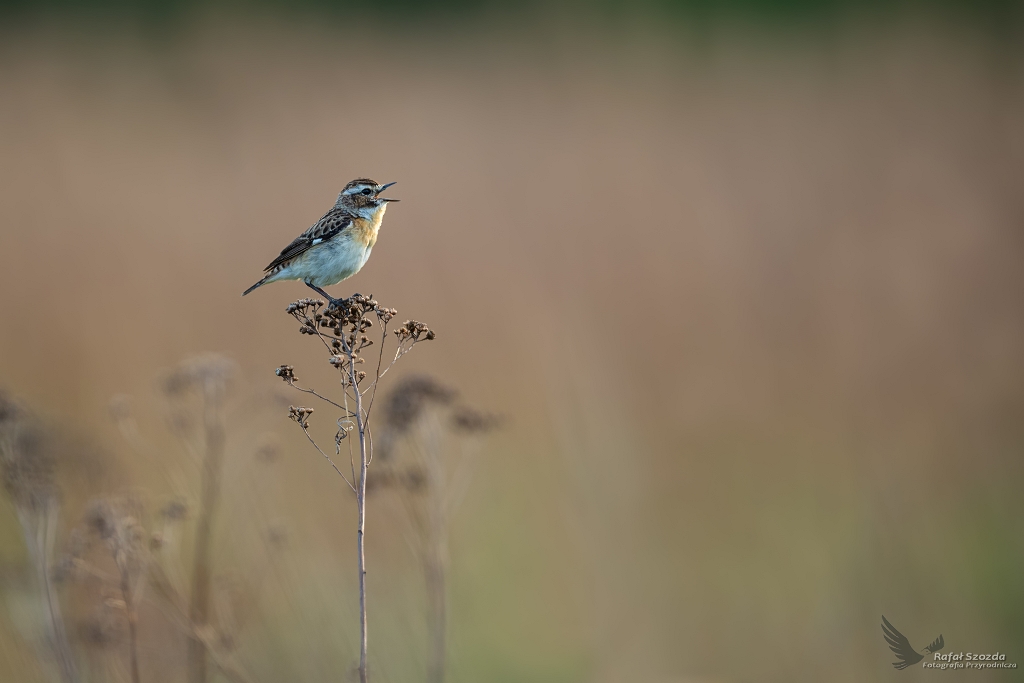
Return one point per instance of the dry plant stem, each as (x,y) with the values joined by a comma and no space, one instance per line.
(201,571)
(177,614)
(133,636)
(437,604)
(40,542)
(435,565)
(347,324)
(360,491)
(344,341)
(432,547)
(361,504)
(421,410)
(317,447)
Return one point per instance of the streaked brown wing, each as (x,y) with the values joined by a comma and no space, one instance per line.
(333,222)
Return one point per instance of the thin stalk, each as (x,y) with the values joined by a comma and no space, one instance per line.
(348,325)
(133,638)
(361,504)
(437,601)
(38,540)
(436,556)
(201,570)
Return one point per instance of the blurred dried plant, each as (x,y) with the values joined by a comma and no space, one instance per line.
(342,331)
(196,391)
(207,377)
(116,524)
(429,444)
(28,456)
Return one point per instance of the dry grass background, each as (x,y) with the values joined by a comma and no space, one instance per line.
(753,307)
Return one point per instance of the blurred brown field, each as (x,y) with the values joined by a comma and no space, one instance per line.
(752,307)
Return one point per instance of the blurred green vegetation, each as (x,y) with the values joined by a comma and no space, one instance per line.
(996,14)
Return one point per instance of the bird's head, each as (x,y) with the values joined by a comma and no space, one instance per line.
(362,196)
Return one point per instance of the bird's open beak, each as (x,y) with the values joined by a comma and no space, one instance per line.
(382,188)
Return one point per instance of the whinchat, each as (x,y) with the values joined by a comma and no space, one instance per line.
(337,246)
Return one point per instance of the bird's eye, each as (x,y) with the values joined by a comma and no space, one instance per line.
(366,191)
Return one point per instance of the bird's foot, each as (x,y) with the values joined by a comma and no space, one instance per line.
(339,304)
(331,301)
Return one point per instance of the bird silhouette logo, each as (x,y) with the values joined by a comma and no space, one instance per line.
(899,644)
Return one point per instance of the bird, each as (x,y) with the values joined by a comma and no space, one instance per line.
(338,245)
(899,644)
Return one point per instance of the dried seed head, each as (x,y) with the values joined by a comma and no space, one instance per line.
(68,567)
(410,396)
(106,626)
(28,452)
(415,331)
(207,372)
(100,519)
(301,306)
(10,410)
(268,449)
(174,511)
(300,414)
(286,372)
(414,480)
(471,421)
(117,522)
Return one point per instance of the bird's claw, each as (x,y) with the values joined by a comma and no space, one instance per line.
(339,304)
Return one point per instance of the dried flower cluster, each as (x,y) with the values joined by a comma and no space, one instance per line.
(286,372)
(26,456)
(9,409)
(300,414)
(411,395)
(117,552)
(174,510)
(209,371)
(343,330)
(117,524)
(471,421)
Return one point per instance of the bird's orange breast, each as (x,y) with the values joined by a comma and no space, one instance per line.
(364,230)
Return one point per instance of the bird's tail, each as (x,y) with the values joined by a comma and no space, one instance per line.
(266,278)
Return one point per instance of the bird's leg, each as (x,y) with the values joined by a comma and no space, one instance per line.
(319,291)
(331,301)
